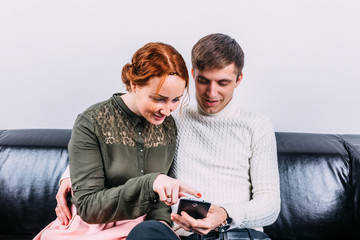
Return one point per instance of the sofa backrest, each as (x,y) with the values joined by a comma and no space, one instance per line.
(318,182)
(31,164)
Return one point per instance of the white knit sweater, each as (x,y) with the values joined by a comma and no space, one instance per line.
(231,159)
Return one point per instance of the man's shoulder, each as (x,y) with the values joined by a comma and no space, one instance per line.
(250,114)
(185,111)
(250,119)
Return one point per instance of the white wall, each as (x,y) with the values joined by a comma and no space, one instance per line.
(59,57)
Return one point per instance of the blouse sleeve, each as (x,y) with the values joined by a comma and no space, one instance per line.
(94,202)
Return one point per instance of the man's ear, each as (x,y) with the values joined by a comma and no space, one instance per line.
(238,80)
(193,73)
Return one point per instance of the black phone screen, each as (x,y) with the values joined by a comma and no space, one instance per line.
(195,208)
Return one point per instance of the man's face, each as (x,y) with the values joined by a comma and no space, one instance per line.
(215,87)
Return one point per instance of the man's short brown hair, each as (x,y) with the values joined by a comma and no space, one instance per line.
(217,51)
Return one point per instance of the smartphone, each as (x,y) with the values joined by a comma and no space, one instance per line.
(197,209)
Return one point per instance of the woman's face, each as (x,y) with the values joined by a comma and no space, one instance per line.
(154,106)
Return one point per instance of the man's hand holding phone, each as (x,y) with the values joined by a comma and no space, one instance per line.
(215,217)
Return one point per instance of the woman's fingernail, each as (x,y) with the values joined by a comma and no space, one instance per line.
(198,195)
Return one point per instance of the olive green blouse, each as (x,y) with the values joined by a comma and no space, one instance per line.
(114,158)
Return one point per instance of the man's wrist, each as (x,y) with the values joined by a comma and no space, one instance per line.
(228,219)
(226,224)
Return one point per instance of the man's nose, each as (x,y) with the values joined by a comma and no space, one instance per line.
(211,90)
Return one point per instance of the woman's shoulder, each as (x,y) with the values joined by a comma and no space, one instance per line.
(169,123)
(98,112)
(97,106)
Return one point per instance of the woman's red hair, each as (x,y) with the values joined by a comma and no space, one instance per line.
(154,60)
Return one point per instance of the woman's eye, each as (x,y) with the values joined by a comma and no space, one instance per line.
(176,100)
(158,99)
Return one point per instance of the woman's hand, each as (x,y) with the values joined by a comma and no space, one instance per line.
(215,217)
(62,209)
(170,189)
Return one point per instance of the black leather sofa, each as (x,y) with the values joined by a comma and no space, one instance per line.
(319,174)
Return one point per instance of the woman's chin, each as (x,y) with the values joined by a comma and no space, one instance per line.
(156,119)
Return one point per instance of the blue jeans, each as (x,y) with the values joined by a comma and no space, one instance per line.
(155,230)
(152,230)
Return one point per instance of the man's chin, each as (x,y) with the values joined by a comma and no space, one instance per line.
(210,109)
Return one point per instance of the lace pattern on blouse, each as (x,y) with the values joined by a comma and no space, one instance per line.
(114,127)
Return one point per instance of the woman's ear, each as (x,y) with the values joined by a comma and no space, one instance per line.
(133,86)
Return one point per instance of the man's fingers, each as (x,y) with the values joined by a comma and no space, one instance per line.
(62,206)
(199,226)
(194,223)
(66,211)
(62,209)
(180,221)
(63,220)
(63,215)
(188,223)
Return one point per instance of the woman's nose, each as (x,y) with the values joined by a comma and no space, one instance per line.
(165,111)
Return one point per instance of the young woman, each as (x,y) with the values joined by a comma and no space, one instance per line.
(121,149)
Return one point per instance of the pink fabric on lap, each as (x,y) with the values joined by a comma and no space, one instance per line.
(80,230)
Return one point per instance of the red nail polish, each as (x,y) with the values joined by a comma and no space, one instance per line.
(198,195)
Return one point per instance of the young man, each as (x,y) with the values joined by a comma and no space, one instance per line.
(227,153)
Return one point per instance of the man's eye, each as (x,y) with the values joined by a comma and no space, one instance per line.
(176,100)
(225,83)
(202,81)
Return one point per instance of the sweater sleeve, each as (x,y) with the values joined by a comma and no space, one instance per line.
(264,205)
(94,202)
(66,174)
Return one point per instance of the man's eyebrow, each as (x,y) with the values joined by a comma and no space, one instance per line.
(200,76)
(224,79)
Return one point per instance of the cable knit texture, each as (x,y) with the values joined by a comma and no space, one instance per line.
(231,159)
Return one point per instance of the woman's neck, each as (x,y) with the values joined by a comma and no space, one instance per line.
(130,102)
